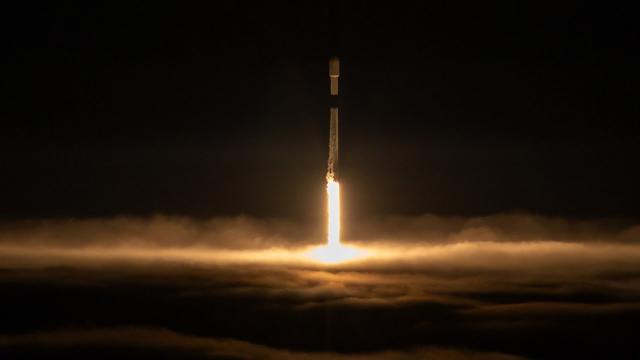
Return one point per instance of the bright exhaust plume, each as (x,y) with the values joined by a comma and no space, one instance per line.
(333,213)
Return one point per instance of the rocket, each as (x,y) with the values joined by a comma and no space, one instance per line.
(334,76)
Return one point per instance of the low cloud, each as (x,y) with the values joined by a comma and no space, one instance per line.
(162,339)
(432,284)
(251,233)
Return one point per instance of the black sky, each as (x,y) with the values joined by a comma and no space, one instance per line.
(221,109)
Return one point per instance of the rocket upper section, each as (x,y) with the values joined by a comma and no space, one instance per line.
(334,74)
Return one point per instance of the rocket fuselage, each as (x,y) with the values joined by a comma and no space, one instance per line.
(334,76)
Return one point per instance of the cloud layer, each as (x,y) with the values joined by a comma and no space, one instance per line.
(441,288)
(166,340)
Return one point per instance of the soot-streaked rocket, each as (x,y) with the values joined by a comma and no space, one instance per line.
(334,76)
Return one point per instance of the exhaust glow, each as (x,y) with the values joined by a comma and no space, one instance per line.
(333,213)
(334,252)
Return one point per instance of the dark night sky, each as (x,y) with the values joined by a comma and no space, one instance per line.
(221,110)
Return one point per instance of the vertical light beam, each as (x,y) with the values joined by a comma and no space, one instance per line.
(333,206)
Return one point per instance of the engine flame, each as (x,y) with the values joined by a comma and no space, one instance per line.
(334,252)
(333,213)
